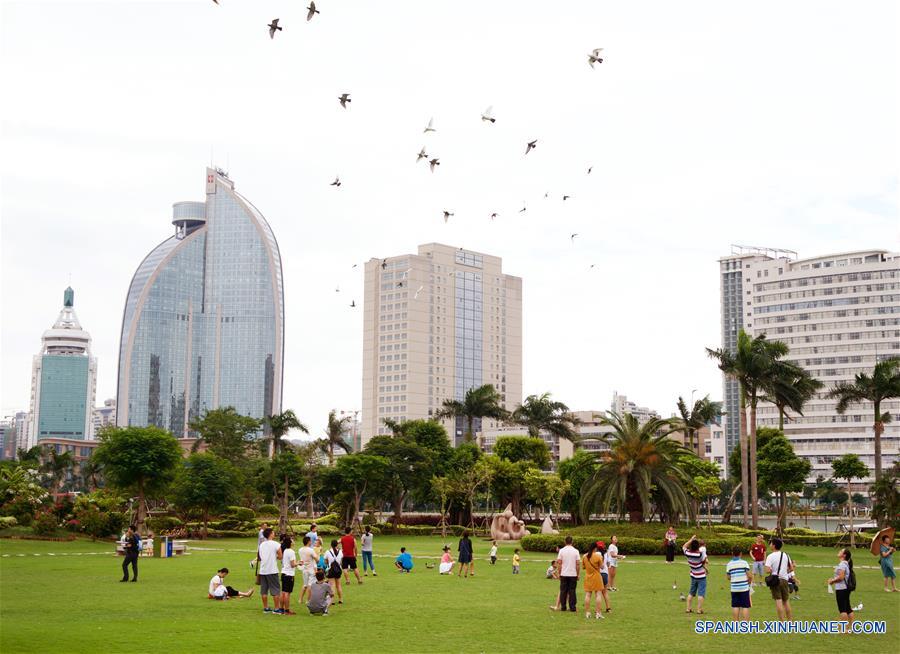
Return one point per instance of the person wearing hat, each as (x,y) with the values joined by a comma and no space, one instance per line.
(446,566)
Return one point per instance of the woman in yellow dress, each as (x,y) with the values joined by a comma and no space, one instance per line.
(592,562)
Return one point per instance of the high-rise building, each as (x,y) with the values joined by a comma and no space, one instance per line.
(203,325)
(63,379)
(7,439)
(436,324)
(103,416)
(839,314)
(22,422)
(621,404)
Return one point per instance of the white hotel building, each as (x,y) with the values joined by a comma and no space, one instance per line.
(839,314)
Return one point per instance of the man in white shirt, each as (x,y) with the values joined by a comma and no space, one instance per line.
(307,563)
(569,568)
(780,564)
(612,559)
(269,584)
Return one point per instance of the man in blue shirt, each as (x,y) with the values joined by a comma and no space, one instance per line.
(404,562)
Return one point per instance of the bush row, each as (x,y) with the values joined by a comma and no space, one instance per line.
(630,545)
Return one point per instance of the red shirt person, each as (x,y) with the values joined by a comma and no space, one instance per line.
(348,551)
(758,552)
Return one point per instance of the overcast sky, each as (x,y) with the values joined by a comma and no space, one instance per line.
(709,123)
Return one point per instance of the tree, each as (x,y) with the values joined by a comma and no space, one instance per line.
(443,488)
(409,468)
(850,467)
(755,362)
(691,421)
(540,413)
(287,471)
(355,473)
(141,459)
(575,471)
(544,489)
(507,479)
(707,487)
(705,475)
(206,483)
(524,448)
(90,472)
(790,388)
(20,484)
(309,457)
(883,384)
(481,402)
(641,458)
(782,471)
(334,435)
(227,433)
(431,435)
(467,482)
(886,498)
(279,425)
(56,465)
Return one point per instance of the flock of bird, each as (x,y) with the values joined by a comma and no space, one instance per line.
(487,116)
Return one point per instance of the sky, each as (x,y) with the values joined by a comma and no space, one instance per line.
(708,124)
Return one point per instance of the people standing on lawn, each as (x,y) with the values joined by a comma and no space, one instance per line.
(569,570)
(671,538)
(446,566)
(132,548)
(604,575)
(313,535)
(780,565)
(348,555)
(592,562)
(320,595)
(269,555)
(333,570)
(612,561)
(738,572)
(404,562)
(697,561)
(758,554)
(886,558)
(307,562)
(465,554)
(366,548)
(493,552)
(219,591)
(288,572)
(842,582)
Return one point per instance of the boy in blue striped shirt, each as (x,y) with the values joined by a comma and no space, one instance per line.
(738,572)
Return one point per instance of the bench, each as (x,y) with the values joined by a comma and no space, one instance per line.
(178,547)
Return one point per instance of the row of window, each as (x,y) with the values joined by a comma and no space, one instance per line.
(824,326)
(828,279)
(838,290)
(792,306)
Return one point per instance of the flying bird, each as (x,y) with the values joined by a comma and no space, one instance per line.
(566,197)
(312,11)
(592,266)
(337,289)
(430,126)
(383,264)
(418,290)
(494,215)
(531,146)
(547,194)
(488,115)
(216,1)
(353,266)
(522,210)
(422,155)
(447,215)
(336,182)
(590,168)
(352,304)
(273,27)
(344,98)
(399,284)
(434,162)
(572,237)
(595,57)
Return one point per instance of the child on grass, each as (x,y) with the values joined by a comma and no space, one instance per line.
(446,566)
(493,552)
(516,561)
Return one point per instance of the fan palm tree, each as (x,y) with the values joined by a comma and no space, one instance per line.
(883,384)
(755,362)
(641,460)
(334,435)
(481,402)
(702,413)
(57,465)
(279,425)
(540,413)
(790,388)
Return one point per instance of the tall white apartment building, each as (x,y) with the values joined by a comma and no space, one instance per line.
(436,324)
(103,416)
(839,314)
(621,404)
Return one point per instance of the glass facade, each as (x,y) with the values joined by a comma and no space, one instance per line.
(204,320)
(64,397)
(732,324)
(469,318)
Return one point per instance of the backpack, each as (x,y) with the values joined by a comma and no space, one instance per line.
(334,570)
(851,581)
(139,544)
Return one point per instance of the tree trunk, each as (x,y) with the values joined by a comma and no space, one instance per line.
(282,518)
(879,429)
(729,506)
(781,419)
(139,519)
(709,511)
(206,522)
(782,511)
(469,435)
(398,506)
(310,505)
(754,491)
(330,454)
(744,472)
(633,503)
(850,513)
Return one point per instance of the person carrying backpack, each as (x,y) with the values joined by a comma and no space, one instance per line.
(844,582)
(132,551)
(333,571)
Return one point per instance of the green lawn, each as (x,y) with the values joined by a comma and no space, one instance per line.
(72,602)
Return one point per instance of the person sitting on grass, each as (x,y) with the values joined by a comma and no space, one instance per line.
(404,562)
(320,595)
(446,566)
(219,591)
(553,571)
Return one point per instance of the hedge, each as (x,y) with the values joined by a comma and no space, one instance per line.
(628,545)
(242,513)
(163,523)
(267,509)
(8,521)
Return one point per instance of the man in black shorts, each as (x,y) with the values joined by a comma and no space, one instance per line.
(348,550)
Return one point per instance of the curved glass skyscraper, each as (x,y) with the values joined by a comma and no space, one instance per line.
(204,317)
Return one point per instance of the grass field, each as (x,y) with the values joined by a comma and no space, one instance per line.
(65,597)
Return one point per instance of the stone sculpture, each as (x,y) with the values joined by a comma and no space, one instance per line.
(506,526)
(547,527)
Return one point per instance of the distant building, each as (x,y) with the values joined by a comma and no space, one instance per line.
(22,421)
(436,324)
(7,439)
(104,416)
(353,431)
(63,380)
(621,404)
(203,325)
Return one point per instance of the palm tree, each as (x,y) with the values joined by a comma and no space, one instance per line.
(90,472)
(702,413)
(790,389)
(539,413)
(279,425)
(57,465)
(334,435)
(481,402)
(755,362)
(883,384)
(641,460)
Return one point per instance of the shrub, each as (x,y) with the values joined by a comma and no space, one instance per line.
(629,545)
(233,524)
(228,533)
(45,523)
(533,529)
(163,523)
(267,510)
(242,513)
(97,523)
(8,521)
(328,519)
